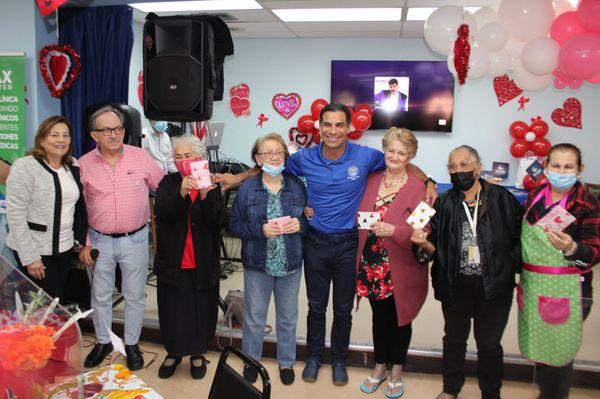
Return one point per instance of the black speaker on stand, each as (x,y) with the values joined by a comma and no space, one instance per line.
(179,71)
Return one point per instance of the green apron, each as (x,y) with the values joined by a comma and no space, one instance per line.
(549,300)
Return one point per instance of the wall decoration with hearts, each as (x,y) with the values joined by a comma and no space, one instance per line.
(286,105)
(60,66)
(302,140)
(506,89)
(47,7)
(239,101)
(569,115)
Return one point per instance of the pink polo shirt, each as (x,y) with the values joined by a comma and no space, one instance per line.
(117,197)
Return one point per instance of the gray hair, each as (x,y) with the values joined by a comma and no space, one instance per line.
(103,110)
(470,150)
(189,139)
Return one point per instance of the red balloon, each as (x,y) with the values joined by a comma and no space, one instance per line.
(518,129)
(365,107)
(361,120)
(530,184)
(355,135)
(519,147)
(316,107)
(539,127)
(316,136)
(540,147)
(306,124)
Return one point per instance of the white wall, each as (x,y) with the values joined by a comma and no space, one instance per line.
(270,66)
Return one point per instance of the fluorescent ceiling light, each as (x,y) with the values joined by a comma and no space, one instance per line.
(422,13)
(205,5)
(338,14)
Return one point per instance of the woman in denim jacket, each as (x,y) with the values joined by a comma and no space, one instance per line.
(268,216)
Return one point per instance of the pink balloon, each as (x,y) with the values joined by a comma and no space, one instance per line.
(595,79)
(565,26)
(579,56)
(588,12)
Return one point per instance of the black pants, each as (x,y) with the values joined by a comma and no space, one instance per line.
(489,320)
(57,272)
(390,341)
(555,382)
(330,258)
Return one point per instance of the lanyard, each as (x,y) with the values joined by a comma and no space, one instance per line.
(473,220)
(545,193)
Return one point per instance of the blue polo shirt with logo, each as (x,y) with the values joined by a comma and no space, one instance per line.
(335,188)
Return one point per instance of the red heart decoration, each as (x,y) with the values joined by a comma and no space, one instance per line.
(49,6)
(557,219)
(303,140)
(239,106)
(242,91)
(60,66)
(140,88)
(286,105)
(506,89)
(569,115)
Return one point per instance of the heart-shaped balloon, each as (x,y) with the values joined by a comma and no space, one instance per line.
(60,66)
(286,105)
(569,115)
(506,89)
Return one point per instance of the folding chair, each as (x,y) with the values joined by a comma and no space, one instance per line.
(228,383)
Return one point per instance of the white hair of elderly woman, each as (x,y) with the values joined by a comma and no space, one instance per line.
(194,141)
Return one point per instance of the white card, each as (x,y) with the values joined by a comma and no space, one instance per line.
(366,219)
(420,216)
(557,219)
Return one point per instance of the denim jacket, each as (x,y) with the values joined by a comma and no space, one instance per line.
(249,214)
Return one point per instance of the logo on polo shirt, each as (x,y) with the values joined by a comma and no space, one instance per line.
(353,173)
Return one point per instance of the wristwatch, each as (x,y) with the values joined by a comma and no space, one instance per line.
(429,179)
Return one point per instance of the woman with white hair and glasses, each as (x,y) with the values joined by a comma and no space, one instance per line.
(189,221)
(474,243)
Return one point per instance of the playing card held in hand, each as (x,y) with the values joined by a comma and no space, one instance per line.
(366,219)
(420,216)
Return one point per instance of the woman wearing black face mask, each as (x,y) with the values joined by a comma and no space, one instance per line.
(474,244)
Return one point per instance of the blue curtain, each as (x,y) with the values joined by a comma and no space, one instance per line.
(103,38)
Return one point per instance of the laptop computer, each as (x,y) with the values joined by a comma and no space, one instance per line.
(215,133)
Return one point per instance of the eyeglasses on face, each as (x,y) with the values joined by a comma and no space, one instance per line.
(464,165)
(108,130)
(271,154)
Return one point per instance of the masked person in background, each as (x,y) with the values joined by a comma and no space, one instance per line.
(157,143)
(555,291)
(474,243)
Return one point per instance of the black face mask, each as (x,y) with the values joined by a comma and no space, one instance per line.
(462,181)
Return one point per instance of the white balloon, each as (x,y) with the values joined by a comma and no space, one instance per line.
(500,62)
(484,16)
(540,56)
(562,6)
(526,20)
(528,81)
(492,36)
(442,25)
(515,48)
(316,124)
(530,136)
(450,63)
(479,63)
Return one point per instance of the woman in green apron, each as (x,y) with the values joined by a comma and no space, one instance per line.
(555,291)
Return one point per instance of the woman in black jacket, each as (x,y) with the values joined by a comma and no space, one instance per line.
(474,242)
(189,221)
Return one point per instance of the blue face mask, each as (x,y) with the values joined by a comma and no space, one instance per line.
(272,170)
(160,126)
(561,181)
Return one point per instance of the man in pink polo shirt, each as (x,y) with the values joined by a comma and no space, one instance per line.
(116,178)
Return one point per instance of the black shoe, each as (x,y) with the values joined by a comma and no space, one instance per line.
(166,371)
(250,373)
(198,372)
(287,375)
(98,354)
(135,361)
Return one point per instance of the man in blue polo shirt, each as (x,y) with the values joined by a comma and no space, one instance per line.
(336,173)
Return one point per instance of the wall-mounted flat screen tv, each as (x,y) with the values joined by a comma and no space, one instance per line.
(417,95)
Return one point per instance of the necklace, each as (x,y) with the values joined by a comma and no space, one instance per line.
(399,182)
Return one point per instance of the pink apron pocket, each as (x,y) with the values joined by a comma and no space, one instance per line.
(554,310)
(520,297)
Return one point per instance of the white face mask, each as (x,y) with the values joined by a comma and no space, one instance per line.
(272,170)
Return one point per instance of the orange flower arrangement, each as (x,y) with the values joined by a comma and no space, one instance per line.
(24,347)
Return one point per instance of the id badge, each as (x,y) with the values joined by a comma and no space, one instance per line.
(474,254)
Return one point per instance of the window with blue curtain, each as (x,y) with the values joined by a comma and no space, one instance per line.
(103,38)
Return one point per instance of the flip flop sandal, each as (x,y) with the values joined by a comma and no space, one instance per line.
(371,382)
(392,386)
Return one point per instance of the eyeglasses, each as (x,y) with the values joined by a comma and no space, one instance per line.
(463,165)
(107,131)
(271,155)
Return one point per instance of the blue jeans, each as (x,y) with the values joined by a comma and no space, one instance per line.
(330,258)
(257,295)
(131,252)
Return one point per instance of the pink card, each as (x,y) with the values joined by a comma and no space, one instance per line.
(201,172)
(557,219)
(279,222)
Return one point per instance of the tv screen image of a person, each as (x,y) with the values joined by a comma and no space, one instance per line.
(391,99)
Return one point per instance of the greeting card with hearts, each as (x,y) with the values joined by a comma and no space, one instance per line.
(286,105)
(569,115)
(60,66)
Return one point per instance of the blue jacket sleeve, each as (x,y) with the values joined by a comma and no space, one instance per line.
(239,223)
